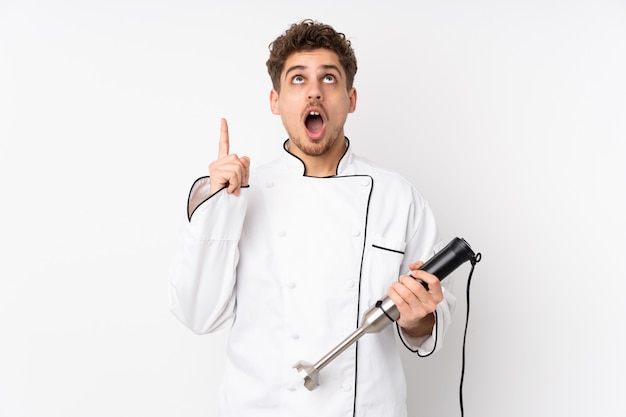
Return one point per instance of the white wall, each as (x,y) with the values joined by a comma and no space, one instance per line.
(509,116)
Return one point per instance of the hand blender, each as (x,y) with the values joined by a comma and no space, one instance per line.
(385,312)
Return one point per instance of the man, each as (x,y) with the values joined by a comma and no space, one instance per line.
(295,251)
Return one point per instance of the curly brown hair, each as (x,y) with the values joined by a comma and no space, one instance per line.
(305,36)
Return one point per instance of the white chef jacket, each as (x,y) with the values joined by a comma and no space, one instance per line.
(293,263)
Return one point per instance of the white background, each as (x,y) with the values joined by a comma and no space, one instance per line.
(509,116)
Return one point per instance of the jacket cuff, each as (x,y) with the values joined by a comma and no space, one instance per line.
(217,216)
(427,345)
(422,345)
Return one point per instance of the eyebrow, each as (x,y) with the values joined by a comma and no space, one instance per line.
(325,67)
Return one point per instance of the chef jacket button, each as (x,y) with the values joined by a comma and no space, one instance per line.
(294,336)
(269,184)
(291,285)
(356,233)
(346,387)
(349,283)
(282,233)
(365,183)
(291,388)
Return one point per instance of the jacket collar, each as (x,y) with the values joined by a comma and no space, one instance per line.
(296,165)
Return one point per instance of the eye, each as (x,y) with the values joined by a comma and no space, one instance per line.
(329,79)
(298,79)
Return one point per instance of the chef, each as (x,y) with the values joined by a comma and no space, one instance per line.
(290,254)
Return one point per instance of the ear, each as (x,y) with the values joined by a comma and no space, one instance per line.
(274,102)
(352,97)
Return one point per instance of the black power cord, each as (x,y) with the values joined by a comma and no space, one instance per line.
(474,261)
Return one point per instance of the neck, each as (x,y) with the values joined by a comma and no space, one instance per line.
(324,165)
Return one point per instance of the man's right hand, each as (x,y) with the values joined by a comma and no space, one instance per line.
(228,170)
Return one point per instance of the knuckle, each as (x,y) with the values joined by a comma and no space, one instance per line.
(400,303)
(411,317)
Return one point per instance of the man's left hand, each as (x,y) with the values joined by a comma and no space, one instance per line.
(415,303)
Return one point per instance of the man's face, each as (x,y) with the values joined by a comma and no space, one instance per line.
(314,102)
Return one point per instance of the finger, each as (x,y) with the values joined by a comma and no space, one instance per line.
(415,296)
(427,289)
(245,161)
(424,278)
(408,303)
(234,182)
(418,286)
(224,140)
(416,265)
(415,273)
(227,178)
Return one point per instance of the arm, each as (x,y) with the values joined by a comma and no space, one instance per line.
(425,315)
(203,275)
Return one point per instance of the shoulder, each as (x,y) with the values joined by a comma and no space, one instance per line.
(390,188)
(382,175)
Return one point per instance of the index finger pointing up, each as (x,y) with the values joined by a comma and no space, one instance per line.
(224,141)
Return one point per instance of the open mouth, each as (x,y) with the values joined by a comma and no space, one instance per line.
(314,124)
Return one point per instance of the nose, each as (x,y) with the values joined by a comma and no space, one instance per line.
(315,92)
